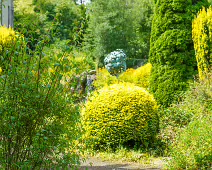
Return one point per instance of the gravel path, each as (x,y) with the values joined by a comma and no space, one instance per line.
(97,164)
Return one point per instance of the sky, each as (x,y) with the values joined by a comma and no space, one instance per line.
(84,1)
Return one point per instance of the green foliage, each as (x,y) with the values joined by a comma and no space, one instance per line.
(140,76)
(29,23)
(201,33)
(171,49)
(9,42)
(193,149)
(195,102)
(76,66)
(118,24)
(75,61)
(167,84)
(120,114)
(7,38)
(50,20)
(67,16)
(104,78)
(46,7)
(39,120)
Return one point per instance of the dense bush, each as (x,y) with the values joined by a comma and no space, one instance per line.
(104,78)
(29,23)
(201,33)
(50,20)
(7,37)
(171,47)
(67,17)
(193,149)
(167,84)
(38,119)
(120,114)
(9,42)
(140,76)
(196,101)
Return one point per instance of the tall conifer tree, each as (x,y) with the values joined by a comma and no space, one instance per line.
(171,48)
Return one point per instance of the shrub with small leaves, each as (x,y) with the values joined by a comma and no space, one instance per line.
(104,78)
(196,101)
(139,77)
(171,48)
(39,119)
(9,42)
(119,115)
(193,149)
(201,32)
(7,36)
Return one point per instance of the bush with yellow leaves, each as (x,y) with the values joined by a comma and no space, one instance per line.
(202,37)
(11,44)
(104,78)
(7,37)
(0,70)
(119,115)
(139,77)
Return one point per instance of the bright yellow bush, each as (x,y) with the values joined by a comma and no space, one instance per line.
(128,76)
(10,43)
(202,37)
(104,78)
(7,37)
(118,114)
(139,77)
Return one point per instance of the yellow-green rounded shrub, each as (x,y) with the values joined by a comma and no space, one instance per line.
(118,114)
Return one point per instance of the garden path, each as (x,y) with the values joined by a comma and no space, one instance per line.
(98,164)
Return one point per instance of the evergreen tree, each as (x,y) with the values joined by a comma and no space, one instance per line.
(171,48)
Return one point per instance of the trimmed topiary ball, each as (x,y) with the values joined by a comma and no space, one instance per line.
(118,115)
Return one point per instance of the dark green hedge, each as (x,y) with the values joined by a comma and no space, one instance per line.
(171,48)
(167,83)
